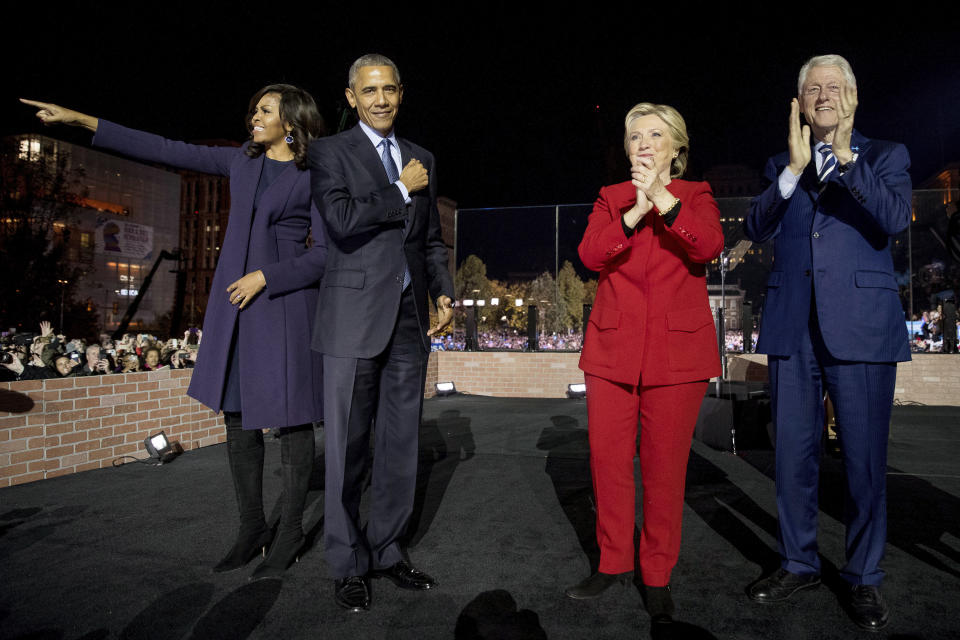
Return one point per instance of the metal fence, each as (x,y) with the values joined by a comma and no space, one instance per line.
(524,251)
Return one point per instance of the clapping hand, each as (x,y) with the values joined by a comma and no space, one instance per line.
(646,177)
(845,109)
(798,140)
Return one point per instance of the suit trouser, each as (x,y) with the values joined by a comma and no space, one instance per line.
(385,392)
(667,416)
(862,396)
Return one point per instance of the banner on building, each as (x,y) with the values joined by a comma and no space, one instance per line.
(124,239)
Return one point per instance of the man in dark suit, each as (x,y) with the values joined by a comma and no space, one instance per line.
(385,253)
(832,320)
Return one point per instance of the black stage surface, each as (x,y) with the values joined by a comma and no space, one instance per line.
(503,521)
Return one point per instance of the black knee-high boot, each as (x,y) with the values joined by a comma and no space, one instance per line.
(245,455)
(296,456)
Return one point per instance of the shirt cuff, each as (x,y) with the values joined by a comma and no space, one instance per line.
(627,231)
(671,215)
(787,182)
(403,192)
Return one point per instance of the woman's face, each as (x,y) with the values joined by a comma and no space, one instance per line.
(266,125)
(152,359)
(131,363)
(649,137)
(63,365)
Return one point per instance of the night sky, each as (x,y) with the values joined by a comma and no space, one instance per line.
(517,111)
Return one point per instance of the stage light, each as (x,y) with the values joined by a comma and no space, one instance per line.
(468,302)
(577,390)
(160,448)
(518,302)
(494,302)
(481,303)
(446,389)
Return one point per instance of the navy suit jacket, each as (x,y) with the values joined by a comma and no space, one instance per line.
(832,241)
(372,235)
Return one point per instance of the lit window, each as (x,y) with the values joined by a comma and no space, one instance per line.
(29,149)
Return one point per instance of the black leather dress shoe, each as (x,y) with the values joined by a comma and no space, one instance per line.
(406,577)
(782,584)
(596,584)
(867,607)
(353,593)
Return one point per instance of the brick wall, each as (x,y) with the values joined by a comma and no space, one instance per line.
(930,378)
(76,424)
(506,374)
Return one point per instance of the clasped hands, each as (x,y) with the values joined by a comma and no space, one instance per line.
(798,138)
(645,176)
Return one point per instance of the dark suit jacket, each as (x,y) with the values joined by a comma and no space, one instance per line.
(372,235)
(281,379)
(834,239)
(652,317)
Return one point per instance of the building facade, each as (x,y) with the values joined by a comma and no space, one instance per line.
(127,214)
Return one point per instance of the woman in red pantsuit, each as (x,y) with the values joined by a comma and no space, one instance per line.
(649,350)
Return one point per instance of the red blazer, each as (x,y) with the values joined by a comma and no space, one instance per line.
(651,322)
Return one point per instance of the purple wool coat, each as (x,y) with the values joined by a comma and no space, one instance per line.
(280,375)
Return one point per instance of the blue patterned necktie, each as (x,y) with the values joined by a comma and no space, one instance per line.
(393,176)
(829,162)
(388,163)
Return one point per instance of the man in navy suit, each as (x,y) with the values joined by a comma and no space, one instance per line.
(377,197)
(832,320)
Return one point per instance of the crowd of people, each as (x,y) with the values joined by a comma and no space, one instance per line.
(512,340)
(38,356)
(932,331)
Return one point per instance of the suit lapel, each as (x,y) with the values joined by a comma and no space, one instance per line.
(808,179)
(273,202)
(406,155)
(366,154)
(241,216)
(858,143)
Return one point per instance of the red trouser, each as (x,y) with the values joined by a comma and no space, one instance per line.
(668,415)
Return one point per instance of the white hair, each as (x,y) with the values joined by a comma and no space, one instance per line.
(828,60)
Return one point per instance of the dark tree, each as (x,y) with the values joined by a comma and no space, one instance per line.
(38,197)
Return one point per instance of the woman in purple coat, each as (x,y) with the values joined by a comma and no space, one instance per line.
(255,363)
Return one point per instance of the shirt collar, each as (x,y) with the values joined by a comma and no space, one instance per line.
(375,137)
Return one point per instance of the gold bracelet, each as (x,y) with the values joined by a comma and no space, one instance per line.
(673,204)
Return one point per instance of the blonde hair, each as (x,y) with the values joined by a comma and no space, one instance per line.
(675,124)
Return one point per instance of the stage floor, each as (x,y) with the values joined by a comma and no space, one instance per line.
(503,520)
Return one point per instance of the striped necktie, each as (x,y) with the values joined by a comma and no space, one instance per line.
(388,163)
(828,163)
(393,176)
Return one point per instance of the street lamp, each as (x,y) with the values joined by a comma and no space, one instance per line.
(63,286)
